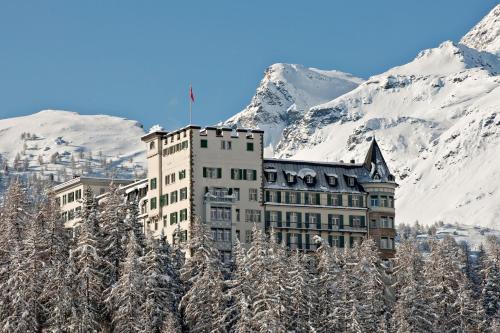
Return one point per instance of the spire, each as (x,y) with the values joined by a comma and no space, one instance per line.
(374,161)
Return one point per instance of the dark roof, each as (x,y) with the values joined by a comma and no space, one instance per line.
(366,172)
(375,162)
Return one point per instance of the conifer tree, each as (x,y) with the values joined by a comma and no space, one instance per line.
(127,294)
(88,276)
(202,305)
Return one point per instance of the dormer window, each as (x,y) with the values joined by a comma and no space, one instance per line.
(152,145)
(271,176)
(218,132)
(290,177)
(332,180)
(350,181)
(309,179)
(376,177)
(391,178)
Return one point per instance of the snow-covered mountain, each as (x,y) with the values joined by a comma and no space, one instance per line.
(285,93)
(65,143)
(437,120)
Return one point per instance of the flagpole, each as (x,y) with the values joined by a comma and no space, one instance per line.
(190,104)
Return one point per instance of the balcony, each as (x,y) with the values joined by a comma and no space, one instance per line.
(314,226)
(219,196)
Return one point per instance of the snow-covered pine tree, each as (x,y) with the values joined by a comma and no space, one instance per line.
(237,315)
(267,279)
(114,231)
(162,287)
(443,273)
(490,293)
(412,312)
(21,315)
(127,294)
(302,294)
(203,304)
(88,277)
(132,222)
(369,287)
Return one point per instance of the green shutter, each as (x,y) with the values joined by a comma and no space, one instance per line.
(306,221)
(340,200)
(299,220)
(219,172)
(329,199)
(341,222)
(341,241)
(268,219)
(244,174)
(330,221)
(349,200)
(306,198)
(232,173)
(308,241)
(240,172)
(299,241)
(288,219)
(254,174)
(318,199)
(362,221)
(318,221)
(298,197)
(330,240)
(279,218)
(267,196)
(279,235)
(287,197)
(204,172)
(278,197)
(351,220)
(288,236)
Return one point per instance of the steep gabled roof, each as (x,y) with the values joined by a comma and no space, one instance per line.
(375,162)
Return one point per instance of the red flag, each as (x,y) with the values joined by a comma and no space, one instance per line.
(191,94)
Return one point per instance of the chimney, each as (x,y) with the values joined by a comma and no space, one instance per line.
(353,161)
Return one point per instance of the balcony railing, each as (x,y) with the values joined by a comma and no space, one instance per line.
(314,226)
(219,197)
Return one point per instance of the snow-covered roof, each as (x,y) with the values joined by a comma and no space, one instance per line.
(306,172)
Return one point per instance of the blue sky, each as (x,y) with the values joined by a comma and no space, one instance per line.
(135,59)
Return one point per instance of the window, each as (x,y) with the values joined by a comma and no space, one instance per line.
(309,179)
(236,194)
(164,221)
(220,214)
(183,193)
(172,177)
(153,184)
(153,203)
(238,215)
(151,145)
(252,215)
(248,236)
(167,179)
(225,145)
(71,214)
(64,199)
(183,215)
(173,218)
(383,201)
(156,224)
(334,221)
(374,201)
(182,174)
(293,197)
(65,216)
(78,194)
(204,143)
(332,180)
(271,176)
(355,201)
(386,243)
(350,181)
(290,178)
(164,200)
(236,174)
(173,197)
(251,174)
(212,172)
(391,202)
(334,241)
(249,146)
(253,194)
(238,235)
(334,199)
(71,197)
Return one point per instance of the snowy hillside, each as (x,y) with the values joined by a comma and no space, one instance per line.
(437,120)
(285,93)
(65,143)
